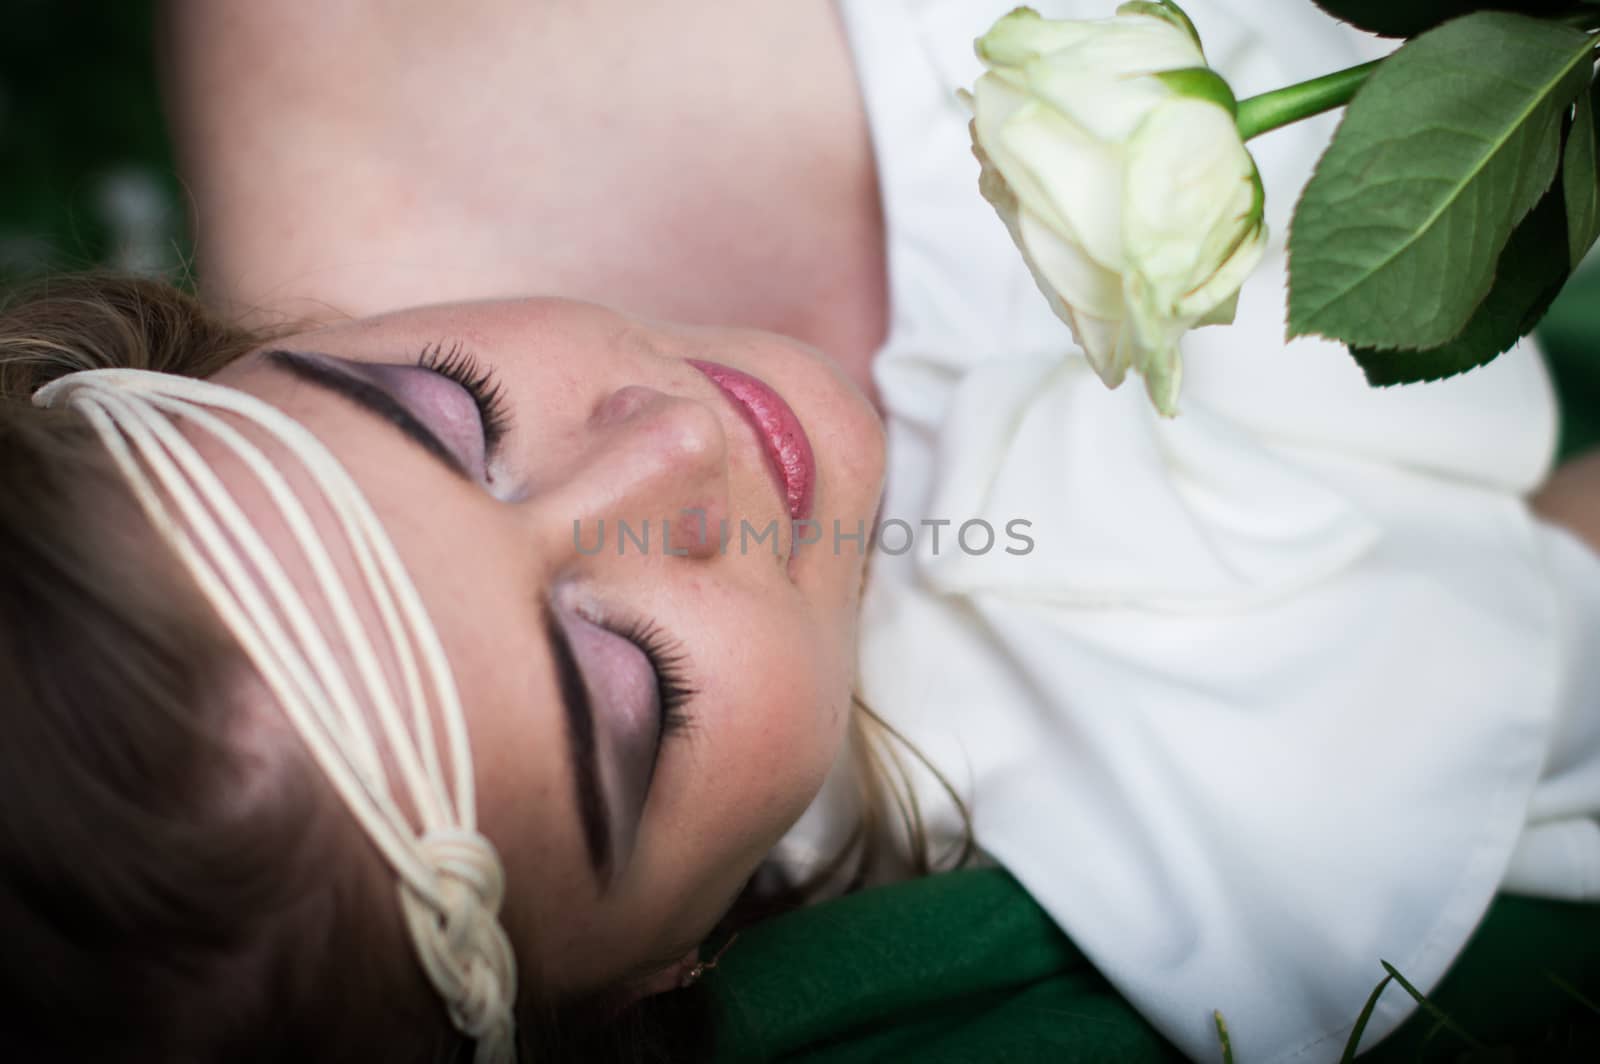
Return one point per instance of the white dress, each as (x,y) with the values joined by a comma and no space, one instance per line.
(1287,685)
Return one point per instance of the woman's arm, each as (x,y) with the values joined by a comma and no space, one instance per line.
(697,160)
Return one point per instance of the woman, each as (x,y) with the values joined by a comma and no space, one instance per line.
(648,716)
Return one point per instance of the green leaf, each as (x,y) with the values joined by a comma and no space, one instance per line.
(1581,177)
(1441,153)
(1409,17)
(1527,279)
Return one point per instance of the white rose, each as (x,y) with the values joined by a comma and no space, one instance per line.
(1110,151)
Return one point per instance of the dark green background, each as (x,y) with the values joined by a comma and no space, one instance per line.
(80,127)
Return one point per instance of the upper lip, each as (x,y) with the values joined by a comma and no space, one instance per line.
(783,437)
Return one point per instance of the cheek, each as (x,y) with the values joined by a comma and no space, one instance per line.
(787,725)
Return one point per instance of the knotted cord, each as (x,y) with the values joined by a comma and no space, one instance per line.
(450,880)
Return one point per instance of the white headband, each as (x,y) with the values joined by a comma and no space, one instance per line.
(450,879)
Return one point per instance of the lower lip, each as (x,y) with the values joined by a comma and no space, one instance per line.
(788,449)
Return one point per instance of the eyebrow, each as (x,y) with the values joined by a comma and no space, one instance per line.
(370,397)
(592,811)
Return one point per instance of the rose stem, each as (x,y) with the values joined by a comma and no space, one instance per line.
(1266,112)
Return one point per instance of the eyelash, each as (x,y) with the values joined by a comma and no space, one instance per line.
(479,382)
(667,658)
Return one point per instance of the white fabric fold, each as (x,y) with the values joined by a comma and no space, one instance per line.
(1221,523)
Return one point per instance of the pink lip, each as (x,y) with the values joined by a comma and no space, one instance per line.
(788,450)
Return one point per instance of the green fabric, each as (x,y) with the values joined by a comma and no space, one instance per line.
(964,966)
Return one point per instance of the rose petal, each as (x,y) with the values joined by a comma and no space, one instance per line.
(1097,83)
(1163,379)
(1186,206)
(1074,175)
(995,105)
(1023,35)
(1068,270)
(1222,313)
(1207,302)
(1106,343)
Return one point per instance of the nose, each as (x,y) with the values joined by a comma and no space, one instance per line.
(651,475)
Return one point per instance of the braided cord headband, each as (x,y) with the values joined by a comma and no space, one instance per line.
(450,879)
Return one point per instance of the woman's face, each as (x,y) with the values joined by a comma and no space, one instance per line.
(626,826)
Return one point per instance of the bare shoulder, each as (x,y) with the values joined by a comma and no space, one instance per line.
(698,160)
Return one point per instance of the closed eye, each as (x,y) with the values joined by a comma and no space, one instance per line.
(668,660)
(478,381)
(626,695)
